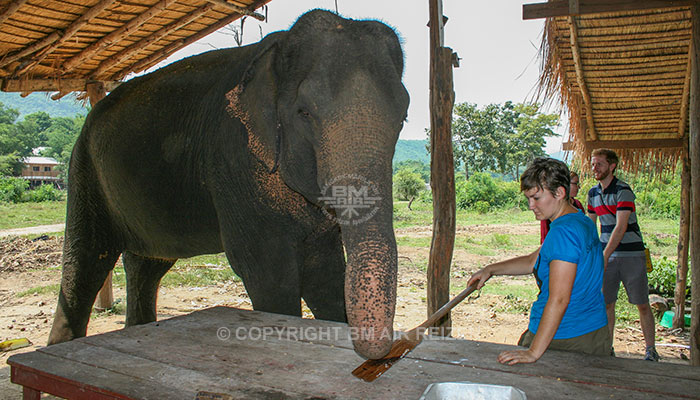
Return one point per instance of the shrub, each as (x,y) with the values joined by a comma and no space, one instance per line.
(482,207)
(408,185)
(483,193)
(662,279)
(11,189)
(43,193)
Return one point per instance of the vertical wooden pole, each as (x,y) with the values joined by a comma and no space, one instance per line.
(683,241)
(441,169)
(105,298)
(695,187)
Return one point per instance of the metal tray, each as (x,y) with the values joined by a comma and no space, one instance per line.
(471,391)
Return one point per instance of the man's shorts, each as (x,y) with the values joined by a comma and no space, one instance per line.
(632,272)
(597,343)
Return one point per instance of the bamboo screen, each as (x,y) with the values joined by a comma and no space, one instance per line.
(59,45)
(621,76)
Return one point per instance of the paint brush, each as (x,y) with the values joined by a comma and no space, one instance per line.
(370,370)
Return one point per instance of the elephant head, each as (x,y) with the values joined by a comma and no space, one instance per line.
(324,104)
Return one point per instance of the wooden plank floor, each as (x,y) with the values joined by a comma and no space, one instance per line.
(248,354)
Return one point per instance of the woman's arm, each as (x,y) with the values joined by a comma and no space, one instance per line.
(515,266)
(561,281)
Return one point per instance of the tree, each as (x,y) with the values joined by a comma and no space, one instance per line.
(408,185)
(476,137)
(416,166)
(60,138)
(16,140)
(526,139)
(499,137)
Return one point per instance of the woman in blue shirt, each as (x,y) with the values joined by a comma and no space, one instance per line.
(569,313)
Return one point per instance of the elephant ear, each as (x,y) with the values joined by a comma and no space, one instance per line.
(254,102)
(257,101)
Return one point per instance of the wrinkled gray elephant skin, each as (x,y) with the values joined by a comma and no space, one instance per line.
(234,150)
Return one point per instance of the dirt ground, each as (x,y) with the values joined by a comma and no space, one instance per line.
(26,264)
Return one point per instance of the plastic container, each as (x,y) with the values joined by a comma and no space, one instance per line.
(471,391)
(667,319)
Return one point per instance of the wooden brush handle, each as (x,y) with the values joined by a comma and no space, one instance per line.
(448,306)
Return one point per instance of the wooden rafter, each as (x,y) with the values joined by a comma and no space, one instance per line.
(116,36)
(683,122)
(137,47)
(561,8)
(49,85)
(237,9)
(10,9)
(58,36)
(629,144)
(165,52)
(580,79)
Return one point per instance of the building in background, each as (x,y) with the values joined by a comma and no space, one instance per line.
(40,171)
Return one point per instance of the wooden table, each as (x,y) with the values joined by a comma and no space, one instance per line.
(248,354)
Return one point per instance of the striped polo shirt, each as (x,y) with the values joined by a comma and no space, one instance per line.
(605,204)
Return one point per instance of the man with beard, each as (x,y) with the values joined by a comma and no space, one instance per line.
(613,201)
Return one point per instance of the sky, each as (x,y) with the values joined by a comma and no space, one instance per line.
(498,49)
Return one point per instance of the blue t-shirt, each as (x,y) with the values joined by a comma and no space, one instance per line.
(573,238)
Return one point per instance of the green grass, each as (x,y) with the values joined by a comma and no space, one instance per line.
(205,270)
(23,215)
(49,289)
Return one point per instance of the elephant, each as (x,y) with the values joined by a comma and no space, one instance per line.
(238,150)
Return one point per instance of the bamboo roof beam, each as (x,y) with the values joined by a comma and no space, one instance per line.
(10,9)
(162,54)
(683,122)
(68,34)
(629,144)
(48,85)
(240,10)
(580,78)
(139,46)
(57,36)
(116,36)
(561,8)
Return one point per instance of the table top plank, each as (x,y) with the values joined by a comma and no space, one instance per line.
(184,355)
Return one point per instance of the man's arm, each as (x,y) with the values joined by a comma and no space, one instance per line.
(622,218)
(593,217)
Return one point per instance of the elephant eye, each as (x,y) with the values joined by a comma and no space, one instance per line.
(303,113)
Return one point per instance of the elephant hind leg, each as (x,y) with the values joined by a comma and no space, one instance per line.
(84,273)
(143,277)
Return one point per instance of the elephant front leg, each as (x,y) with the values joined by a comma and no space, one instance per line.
(269,270)
(323,275)
(84,272)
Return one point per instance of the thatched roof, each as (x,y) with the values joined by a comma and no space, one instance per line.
(624,78)
(61,45)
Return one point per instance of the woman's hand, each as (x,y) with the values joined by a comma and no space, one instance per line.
(517,356)
(480,276)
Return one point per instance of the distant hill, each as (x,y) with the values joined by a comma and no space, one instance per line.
(411,150)
(35,102)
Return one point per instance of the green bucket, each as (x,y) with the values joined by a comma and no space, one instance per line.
(667,319)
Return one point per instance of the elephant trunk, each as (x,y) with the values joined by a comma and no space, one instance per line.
(360,182)
(370,283)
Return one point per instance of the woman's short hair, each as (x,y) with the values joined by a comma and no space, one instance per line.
(546,173)
(573,175)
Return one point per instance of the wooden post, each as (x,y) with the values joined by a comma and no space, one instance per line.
(695,187)
(96,91)
(441,169)
(683,240)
